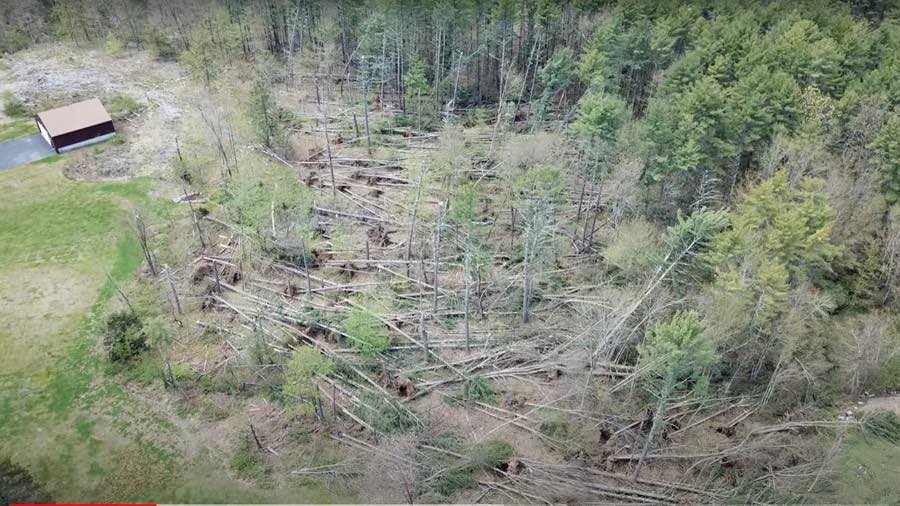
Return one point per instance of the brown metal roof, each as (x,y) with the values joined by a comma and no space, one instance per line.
(70,118)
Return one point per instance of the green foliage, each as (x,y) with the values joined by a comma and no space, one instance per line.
(556,427)
(635,248)
(247,461)
(121,106)
(460,476)
(464,206)
(764,102)
(778,245)
(18,128)
(477,388)
(13,107)
(254,202)
(160,44)
(886,148)
(69,19)
(866,472)
(695,232)
(264,115)
(113,45)
(619,57)
(201,57)
(213,46)
(806,53)
(12,39)
(415,82)
(538,186)
(368,334)
(780,227)
(689,133)
(386,415)
(885,425)
(306,364)
(689,239)
(677,350)
(555,76)
(124,336)
(599,118)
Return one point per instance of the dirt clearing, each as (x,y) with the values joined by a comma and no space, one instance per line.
(52,75)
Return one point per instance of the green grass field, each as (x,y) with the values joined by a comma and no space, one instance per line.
(17,128)
(64,414)
(868,468)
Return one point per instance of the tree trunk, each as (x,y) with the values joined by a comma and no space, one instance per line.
(658,420)
(412,221)
(366,113)
(435,254)
(323,109)
(466,302)
(526,281)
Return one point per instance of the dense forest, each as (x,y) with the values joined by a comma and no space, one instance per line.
(537,251)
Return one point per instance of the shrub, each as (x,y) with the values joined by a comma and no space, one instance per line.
(555,427)
(113,45)
(635,249)
(482,457)
(124,336)
(12,40)
(160,45)
(13,107)
(385,415)
(299,385)
(477,388)
(17,485)
(368,335)
(247,462)
(121,106)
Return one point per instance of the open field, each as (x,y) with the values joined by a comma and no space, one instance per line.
(86,437)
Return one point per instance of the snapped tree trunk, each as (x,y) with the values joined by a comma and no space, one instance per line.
(658,420)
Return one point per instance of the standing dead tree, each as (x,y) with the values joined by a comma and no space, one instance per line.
(435,254)
(143,239)
(213,119)
(323,112)
(412,220)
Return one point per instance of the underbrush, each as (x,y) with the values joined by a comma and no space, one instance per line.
(121,106)
(248,464)
(13,107)
(459,473)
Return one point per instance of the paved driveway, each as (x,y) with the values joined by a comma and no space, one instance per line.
(23,150)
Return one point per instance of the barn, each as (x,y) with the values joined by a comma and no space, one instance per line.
(75,125)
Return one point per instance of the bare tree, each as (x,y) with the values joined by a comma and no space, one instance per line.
(143,239)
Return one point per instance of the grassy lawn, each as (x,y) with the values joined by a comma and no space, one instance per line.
(868,468)
(17,128)
(63,414)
